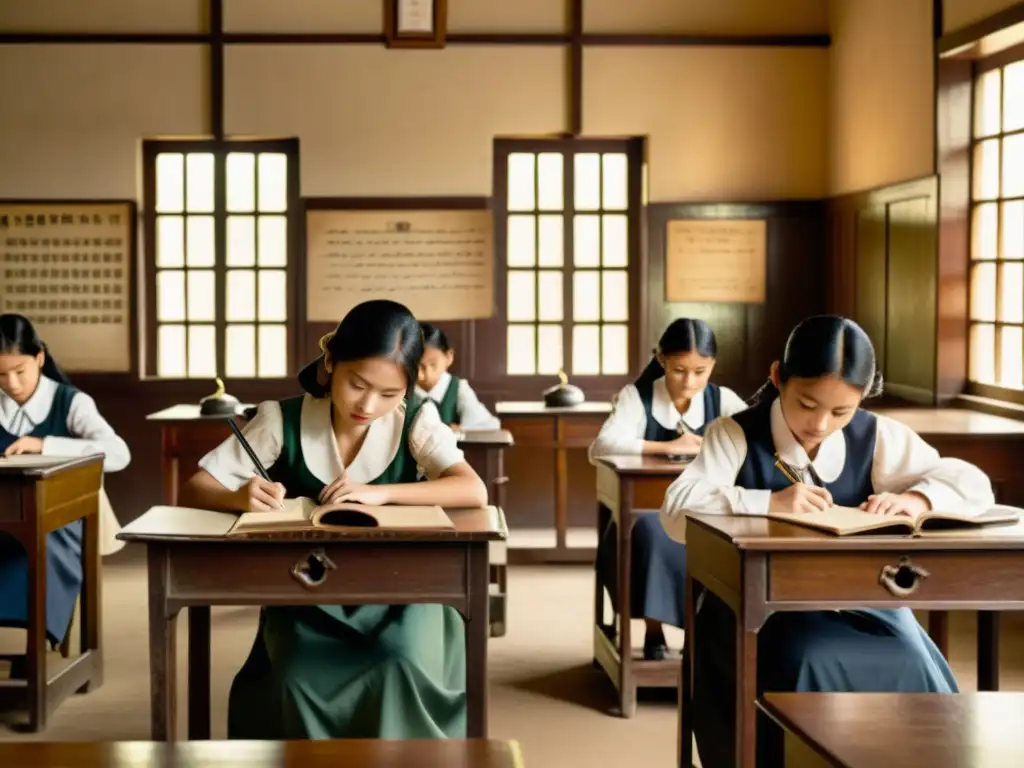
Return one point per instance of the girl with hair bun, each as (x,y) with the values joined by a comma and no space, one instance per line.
(664,412)
(359,434)
(42,413)
(456,401)
(806,423)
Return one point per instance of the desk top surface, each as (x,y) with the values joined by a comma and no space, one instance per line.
(39,467)
(657,466)
(366,753)
(162,523)
(754,533)
(954,421)
(865,730)
(537,408)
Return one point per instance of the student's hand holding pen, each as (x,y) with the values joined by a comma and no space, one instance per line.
(800,498)
(262,495)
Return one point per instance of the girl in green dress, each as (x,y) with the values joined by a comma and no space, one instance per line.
(358,434)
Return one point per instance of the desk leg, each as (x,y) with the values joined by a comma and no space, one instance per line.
(746,695)
(477,632)
(684,747)
(92,597)
(627,689)
(35,641)
(198,672)
(163,649)
(561,486)
(988,651)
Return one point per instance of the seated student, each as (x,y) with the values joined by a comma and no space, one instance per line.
(808,417)
(663,412)
(339,671)
(455,399)
(40,412)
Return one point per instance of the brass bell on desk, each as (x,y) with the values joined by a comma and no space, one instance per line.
(219,403)
(564,394)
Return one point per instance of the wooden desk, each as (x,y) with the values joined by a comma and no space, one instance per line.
(186,436)
(35,501)
(193,564)
(758,566)
(625,484)
(867,730)
(364,753)
(535,426)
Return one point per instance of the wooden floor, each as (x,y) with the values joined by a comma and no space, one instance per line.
(542,683)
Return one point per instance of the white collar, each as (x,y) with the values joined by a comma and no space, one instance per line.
(831,456)
(36,408)
(439,390)
(664,410)
(320,449)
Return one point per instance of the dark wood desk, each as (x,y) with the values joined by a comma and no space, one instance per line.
(868,730)
(537,427)
(624,485)
(38,495)
(338,753)
(193,564)
(759,566)
(186,436)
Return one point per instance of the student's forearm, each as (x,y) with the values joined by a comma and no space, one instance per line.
(654,448)
(202,491)
(445,492)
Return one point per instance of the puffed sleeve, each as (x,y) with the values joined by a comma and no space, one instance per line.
(230,465)
(904,462)
(433,445)
(731,402)
(90,434)
(622,433)
(708,484)
(472,413)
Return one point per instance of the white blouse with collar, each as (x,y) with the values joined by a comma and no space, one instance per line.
(92,433)
(472,413)
(902,462)
(432,444)
(622,433)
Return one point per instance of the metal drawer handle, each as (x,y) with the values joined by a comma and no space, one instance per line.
(902,580)
(312,570)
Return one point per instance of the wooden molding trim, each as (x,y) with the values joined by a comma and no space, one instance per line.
(990,35)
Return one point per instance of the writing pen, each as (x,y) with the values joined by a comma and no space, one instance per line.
(786,471)
(248,449)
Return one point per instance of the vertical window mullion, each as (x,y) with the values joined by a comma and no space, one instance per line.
(569,257)
(219,255)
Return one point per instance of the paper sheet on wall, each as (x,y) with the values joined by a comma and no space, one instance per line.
(440,264)
(716,260)
(67,267)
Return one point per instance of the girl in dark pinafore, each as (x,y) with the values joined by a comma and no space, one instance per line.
(665,411)
(808,417)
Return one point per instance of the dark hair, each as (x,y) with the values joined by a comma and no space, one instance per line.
(18,337)
(378,328)
(827,345)
(435,337)
(682,335)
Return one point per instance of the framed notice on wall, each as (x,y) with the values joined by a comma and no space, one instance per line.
(67,266)
(716,260)
(438,263)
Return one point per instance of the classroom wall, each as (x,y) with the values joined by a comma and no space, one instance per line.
(880,93)
(957,14)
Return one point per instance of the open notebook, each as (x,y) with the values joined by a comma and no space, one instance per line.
(845,521)
(303,514)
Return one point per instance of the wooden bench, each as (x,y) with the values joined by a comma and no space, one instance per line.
(365,753)
(869,730)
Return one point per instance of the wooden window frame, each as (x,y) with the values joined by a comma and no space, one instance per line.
(634,149)
(992,391)
(294,269)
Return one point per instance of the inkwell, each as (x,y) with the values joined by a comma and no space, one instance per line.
(219,403)
(564,394)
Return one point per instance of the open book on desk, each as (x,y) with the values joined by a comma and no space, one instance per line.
(304,515)
(846,521)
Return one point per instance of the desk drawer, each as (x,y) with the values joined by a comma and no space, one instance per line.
(257,573)
(976,577)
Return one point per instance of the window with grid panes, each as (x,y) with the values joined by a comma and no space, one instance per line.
(997,229)
(567,256)
(220,261)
